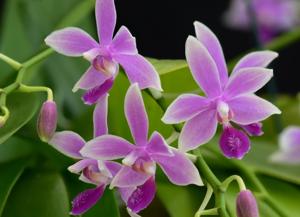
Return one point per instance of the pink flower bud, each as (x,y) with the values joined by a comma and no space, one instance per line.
(47,121)
(246,205)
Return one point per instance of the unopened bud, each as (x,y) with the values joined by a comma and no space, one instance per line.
(47,121)
(246,205)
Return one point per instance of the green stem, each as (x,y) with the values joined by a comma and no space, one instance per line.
(213,211)
(205,201)
(38,58)
(13,63)
(230,179)
(29,89)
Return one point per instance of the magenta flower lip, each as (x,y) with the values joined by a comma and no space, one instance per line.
(106,55)
(228,98)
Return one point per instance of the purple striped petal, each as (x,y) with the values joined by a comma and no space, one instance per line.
(256,59)
(136,115)
(212,44)
(90,79)
(249,109)
(203,67)
(199,130)
(139,70)
(254,129)
(127,177)
(106,20)
(142,196)
(184,108)
(71,41)
(100,117)
(247,80)
(124,42)
(86,200)
(158,145)
(107,147)
(113,167)
(68,143)
(179,169)
(95,94)
(80,165)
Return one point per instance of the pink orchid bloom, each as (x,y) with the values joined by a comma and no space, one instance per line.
(228,99)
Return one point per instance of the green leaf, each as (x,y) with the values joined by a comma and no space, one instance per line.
(38,194)
(168,66)
(22,108)
(9,175)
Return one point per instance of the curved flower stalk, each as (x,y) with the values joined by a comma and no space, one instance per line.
(139,163)
(273,16)
(228,99)
(105,56)
(96,172)
(289,146)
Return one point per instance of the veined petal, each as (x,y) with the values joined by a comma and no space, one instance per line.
(212,44)
(100,117)
(247,80)
(136,115)
(90,79)
(185,107)
(127,177)
(126,193)
(71,41)
(179,169)
(203,67)
(68,143)
(289,139)
(124,42)
(158,146)
(80,165)
(249,109)
(142,196)
(106,17)
(85,200)
(139,70)
(113,167)
(199,130)
(255,59)
(107,147)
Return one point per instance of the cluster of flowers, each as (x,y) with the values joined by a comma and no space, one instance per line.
(229,101)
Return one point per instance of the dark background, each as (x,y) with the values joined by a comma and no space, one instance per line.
(162,26)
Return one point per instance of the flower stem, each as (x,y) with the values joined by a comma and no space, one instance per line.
(206,200)
(38,58)
(225,184)
(29,89)
(13,63)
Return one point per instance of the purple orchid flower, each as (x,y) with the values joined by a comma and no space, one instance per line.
(96,172)
(289,144)
(228,99)
(105,56)
(273,16)
(139,163)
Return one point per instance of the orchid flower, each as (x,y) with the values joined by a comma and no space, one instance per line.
(96,172)
(289,143)
(273,16)
(105,56)
(228,99)
(139,163)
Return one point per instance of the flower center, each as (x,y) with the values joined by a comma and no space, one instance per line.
(224,113)
(144,166)
(105,65)
(93,174)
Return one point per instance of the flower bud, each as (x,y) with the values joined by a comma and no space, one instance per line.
(47,121)
(246,205)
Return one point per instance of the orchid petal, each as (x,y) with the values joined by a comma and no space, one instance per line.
(68,143)
(136,115)
(139,70)
(184,108)
(80,165)
(124,42)
(142,196)
(289,139)
(286,157)
(127,177)
(126,192)
(247,80)
(199,130)
(106,20)
(132,214)
(158,145)
(249,109)
(203,67)
(90,79)
(71,41)
(95,94)
(107,147)
(85,200)
(113,167)
(212,44)
(100,117)
(255,59)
